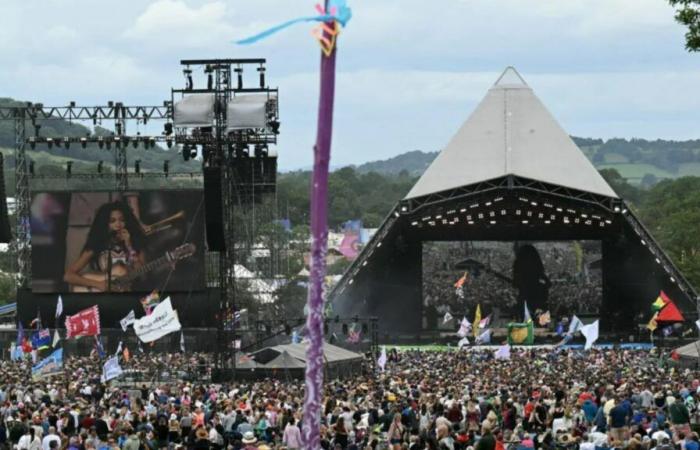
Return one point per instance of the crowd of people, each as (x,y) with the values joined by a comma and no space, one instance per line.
(575,286)
(424,400)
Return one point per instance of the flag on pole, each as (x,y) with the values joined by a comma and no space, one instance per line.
(182,342)
(111,369)
(669,312)
(56,338)
(41,339)
(545,319)
(84,323)
(463,342)
(521,333)
(528,317)
(503,352)
(447,318)
(575,325)
(485,337)
(59,307)
(697,324)
(461,281)
(653,324)
(381,362)
(128,320)
(464,328)
(119,349)
(99,347)
(295,337)
(477,319)
(485,322)
(20,334)
(590,332)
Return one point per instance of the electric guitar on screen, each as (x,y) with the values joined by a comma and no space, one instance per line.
(122,282)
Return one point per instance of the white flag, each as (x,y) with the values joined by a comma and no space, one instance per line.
(464,328)
(503,352)
(119,349)
(381,362)
(111,369)
(447,318)
(463,342)
(697,324)
(59,307)
(590,332)
(575,325)
(162,320)
(128,320)
(485,337)
(528,317)
(182,342)
(56,339)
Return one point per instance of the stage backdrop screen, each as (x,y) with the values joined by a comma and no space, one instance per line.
(560,277)
(134,241)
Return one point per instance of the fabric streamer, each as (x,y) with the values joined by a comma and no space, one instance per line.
(335,12)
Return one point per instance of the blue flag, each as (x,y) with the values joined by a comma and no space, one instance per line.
(41,339)
(100,349)
(20,334)
(52,364)
(560,329)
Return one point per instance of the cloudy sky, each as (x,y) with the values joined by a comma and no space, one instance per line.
(409,71)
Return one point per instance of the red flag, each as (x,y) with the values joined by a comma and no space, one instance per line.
(85,323)
(670,312)
(26,346)
(675,356)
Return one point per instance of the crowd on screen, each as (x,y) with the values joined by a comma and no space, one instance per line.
(538,399)
(575,287)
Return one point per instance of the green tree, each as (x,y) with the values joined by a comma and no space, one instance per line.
(688,14)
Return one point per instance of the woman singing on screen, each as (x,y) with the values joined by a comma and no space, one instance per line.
(115,245)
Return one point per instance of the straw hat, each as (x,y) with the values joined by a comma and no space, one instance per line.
(249,438)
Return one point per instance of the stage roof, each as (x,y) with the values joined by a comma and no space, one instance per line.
(511,133)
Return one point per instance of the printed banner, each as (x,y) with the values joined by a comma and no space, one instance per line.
(162,320)
(85,323)
(128,320)
(111,369)
(48,366)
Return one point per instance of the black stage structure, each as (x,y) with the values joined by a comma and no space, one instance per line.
(511,173)
(238,167)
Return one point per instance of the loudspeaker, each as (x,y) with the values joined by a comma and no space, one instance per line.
(5,232)
(213,209)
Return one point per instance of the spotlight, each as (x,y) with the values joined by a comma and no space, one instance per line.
(108,142)
(69,168)
(166,167)
(186,152)
(83,142)
(210,81)
(152,142)
(32,142)
(187,72)
(31,167)
(101,142)
(274,126)
(66,143)
(137,166)
(135,142)
(57,142)
(100,166)
(169,143)
(239,75)
(168,128)
(261,71)
(193,152)
(49,142)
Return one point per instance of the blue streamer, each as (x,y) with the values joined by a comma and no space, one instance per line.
(342,15)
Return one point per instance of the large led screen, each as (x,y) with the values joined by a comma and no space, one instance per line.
(560,277)
(134,241)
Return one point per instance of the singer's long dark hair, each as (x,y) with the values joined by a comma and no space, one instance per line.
(99,237)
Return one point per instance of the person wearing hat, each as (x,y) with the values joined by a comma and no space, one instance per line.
(201,438)
(249,441)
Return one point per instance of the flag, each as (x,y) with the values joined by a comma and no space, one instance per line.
(545,319)
(99,347)
(381,362)
(521,333)
(16,352)
(26,346)
(51,365)
(56,338)
(119,349)
(503,352)
(461,281)
(658,304)
(20,334)
(350,245)
(653,324)
(36,321)
(590,332)
(463,342)
(446,318)
(111,369)
(182,342)
(485,322)
(575,325)
(485,337)
(353,336)
(138,345)
(528,317)
(697,324)
(163,320)
(464,328)
(295,337)
(477,319)
(41,339)
(150,301)
(84,323)
(59,307)
(128,320)
(669,312)
(667,330)
(126,355)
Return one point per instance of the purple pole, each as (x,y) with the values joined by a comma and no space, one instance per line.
(311,425)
